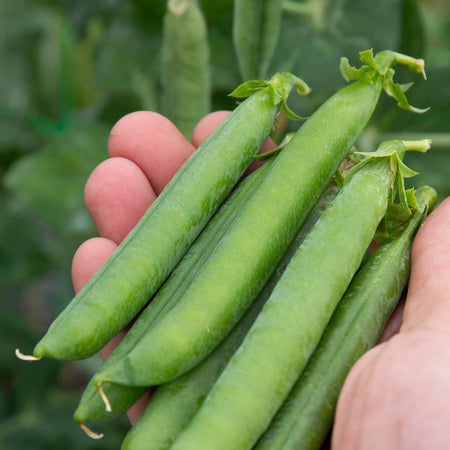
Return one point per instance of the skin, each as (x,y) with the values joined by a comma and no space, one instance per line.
(396,396)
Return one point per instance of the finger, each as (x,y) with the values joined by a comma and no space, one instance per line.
(428,300)
(394,323)
(88,259)
(210,122)
(153,143)
(117,194)
(138,408)
(207,125)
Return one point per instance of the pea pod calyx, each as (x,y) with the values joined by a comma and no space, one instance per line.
(394,150)
(381,65)
(278,89)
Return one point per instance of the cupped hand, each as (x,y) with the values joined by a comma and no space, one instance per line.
(145,150)
(397,396)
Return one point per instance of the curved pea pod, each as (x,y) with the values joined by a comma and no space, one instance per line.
(121,398)
(256,25)
(307,414)
(240,265)
(132,274)
(261,373)
(173,404)
(185,73)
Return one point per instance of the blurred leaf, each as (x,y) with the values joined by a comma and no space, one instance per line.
(52,181)
(16,139)
(23,246)
(50,427)
(433,170)
(128,62)
(345,27)
(413,33)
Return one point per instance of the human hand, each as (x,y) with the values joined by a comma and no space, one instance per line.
(145,151)
(397,395)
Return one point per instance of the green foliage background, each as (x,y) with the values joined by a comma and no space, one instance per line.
(69,70)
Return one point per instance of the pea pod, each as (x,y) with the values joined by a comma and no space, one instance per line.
(185,73)
(256,25)
(239,266)
(261,373)
(173,404)
(124,284)
(360,317)
(92,407)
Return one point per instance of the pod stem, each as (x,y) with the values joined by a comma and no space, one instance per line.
(104,398)
(417,65)
(313,10)
(179,7)
(90,433)
(23,357)
(421,145)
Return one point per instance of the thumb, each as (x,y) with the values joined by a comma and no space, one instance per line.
(428,300)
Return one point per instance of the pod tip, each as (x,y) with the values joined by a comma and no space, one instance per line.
(104,398)
(23,357)
(90,433)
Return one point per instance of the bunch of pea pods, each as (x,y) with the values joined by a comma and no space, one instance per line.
(262,293)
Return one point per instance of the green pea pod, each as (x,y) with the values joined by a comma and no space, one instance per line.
(185,73)
(239,266)
(132,274)
(261,373)
(92,406)
(360,317)
(173,404)
(256,25)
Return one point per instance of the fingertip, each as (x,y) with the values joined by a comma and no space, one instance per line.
(436,226)
(117,194)
(152,142)
(428,300)
(207,125)
(89,258)
(138,408)
(210,122)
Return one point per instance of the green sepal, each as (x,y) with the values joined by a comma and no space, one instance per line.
(394,221)
(349,72)
(406,86)
(397,91)
(277,88)
(412,200)
(248,88)
(289,113)
(384,61)
(367,57)
(275,151)
(421,201)
(426,199)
